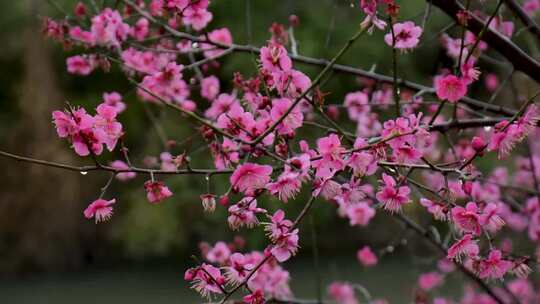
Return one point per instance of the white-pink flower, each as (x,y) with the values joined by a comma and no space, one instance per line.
(407,36)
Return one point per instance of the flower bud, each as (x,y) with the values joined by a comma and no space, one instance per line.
(224,200)
(478,144)
(333,112)
(294,21)
(467,187)
(80,9)
(208,202)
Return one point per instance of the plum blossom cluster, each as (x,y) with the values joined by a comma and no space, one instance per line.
(233,268)
(251,133)
(89,134)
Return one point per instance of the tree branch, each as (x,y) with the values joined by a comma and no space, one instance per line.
(111,169)
(518,11)
(513,53)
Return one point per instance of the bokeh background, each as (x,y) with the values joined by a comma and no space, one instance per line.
(49,253)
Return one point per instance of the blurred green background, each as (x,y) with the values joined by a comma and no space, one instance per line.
(49,253)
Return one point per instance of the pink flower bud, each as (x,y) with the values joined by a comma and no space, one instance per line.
(294,21)
(333,112)
(478,144)
(80,9)
(224,200)
(467,187)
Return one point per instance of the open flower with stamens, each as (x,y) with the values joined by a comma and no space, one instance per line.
(491,219)
(278,225)
(494,266)
(257,297)
(238,269)
(244,213)
(391,196)
(100,209)
(205,279)
(465,247)
(249,177)
(287,186)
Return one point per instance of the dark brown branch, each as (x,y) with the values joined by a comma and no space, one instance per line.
(111,169)
(527,21)
(513,53)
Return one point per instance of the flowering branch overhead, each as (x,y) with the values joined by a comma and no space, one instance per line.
(415,148)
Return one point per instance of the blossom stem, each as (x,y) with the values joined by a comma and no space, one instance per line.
(463,30)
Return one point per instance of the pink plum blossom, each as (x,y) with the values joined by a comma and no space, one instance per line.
(286,186)
(221,36)
(366,256)
(430,280)
(156,191)
(249,177)
(220,253)
(450,88)
(331,150)
(392,196)
(285,246)
(465,247)
(81,65)
(357,103)
(292,121)
(114,99)
(467,219)
(244,213)
(407,35)
(123,176)
(206,282)
(109,29)
(210,87)
(360,214)
(141,29)
(238,269)
(274,58)
(342,293)
(494,266)
(531,6)
(100,209)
